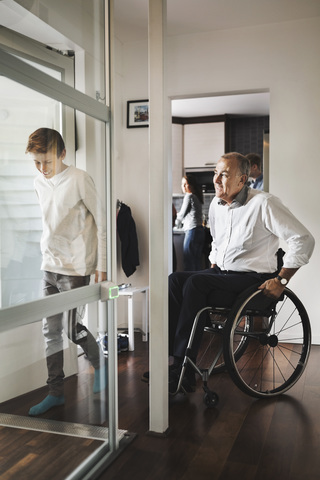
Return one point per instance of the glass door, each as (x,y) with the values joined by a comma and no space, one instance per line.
(82,423)
(21,228)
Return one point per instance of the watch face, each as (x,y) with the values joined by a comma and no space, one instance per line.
(283,281)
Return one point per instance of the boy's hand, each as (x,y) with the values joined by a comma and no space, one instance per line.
(100,277)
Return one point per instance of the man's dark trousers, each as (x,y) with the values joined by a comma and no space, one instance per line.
(191,291)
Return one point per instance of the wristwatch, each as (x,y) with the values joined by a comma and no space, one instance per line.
(282,280)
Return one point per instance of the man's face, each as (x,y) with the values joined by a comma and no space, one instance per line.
(48,163)
(227,179)
(254,171)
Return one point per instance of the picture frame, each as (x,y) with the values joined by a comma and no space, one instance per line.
(137,113)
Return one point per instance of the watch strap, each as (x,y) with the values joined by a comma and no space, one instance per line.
(282,280)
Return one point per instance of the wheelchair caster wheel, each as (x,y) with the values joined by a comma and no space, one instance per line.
(210,399)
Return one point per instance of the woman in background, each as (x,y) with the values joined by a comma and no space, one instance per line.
(190,216)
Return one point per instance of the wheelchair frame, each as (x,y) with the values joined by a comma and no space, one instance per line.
(265,344)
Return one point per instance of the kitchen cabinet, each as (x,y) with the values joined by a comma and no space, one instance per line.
(204,143)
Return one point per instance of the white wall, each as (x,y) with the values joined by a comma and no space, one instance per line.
(132,163)
(282,58)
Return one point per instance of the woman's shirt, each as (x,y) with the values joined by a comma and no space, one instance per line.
(190,214)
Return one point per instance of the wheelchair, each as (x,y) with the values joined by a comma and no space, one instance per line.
(263,344)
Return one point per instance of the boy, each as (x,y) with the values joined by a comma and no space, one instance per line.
(73,246)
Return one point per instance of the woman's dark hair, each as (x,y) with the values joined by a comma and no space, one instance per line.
(194,186)
(44,140)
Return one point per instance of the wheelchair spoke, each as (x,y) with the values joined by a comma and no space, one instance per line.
(276,347)
(211,353)
(258,368)
(285,356)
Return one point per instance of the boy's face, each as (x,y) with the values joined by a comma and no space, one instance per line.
(48,163)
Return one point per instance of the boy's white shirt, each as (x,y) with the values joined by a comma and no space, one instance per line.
(73,241)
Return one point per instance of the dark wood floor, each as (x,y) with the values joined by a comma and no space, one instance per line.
(27,454)
(243,438)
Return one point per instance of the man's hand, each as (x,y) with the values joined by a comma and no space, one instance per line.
(100,276)
(272,288)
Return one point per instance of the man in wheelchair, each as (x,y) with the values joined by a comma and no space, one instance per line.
(246,226)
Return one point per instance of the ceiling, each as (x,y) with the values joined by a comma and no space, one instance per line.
(195,16)
(185,17)
(242,104)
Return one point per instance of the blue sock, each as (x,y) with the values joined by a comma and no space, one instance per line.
(100,379)
(49,402)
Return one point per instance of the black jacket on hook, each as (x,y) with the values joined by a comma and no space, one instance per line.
(129,241)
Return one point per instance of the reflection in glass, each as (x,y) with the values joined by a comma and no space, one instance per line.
(24,372)
(21,110)
(73,247)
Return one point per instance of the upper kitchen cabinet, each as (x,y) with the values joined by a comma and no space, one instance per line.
(204,143)
(197,142)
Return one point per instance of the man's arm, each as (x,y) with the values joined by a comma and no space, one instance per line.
(273,288)
(300,242)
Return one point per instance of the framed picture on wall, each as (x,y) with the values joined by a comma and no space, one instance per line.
(137,113)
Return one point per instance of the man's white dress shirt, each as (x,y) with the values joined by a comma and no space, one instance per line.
(246,234)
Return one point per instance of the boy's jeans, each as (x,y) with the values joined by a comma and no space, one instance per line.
(71,323)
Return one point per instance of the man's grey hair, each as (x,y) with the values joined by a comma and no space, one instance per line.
(243,162)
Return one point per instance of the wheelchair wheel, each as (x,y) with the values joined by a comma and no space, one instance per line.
(277,346)
(211,353)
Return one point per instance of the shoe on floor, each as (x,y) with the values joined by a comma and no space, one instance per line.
(146,376)
(123,343)
(188,383)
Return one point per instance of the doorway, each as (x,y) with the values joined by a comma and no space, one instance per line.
(36,95)
(205,127)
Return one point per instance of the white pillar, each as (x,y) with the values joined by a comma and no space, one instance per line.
(159,218)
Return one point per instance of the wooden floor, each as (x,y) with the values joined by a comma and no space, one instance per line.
(27,454)
(243,438)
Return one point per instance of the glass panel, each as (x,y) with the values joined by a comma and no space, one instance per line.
(36,352)
(66,27)
(49,71)
(51,62)
(20,215)
(33,353)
